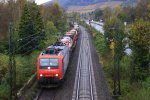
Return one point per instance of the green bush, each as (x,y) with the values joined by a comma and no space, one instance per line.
(139,94)
(3,47)
(138,34)
(3,65)
(99,42)
(125,67)
(25,67)
(4,91)
(146,84)
(125,87)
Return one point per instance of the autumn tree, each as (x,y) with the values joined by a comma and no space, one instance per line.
(107,12)
(114,35)
(98,14)
(58,17)
(119,13)
(114,32)
(19,7)
(51,33)
(4,20)
(139,35)
(142,9)
(114,27)
(7,13)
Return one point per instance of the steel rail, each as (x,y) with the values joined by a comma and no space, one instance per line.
(78,70)
(94,93)
(86,54)
(39,94)
(90,72)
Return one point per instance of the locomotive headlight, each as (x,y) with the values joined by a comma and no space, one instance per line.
(56,75)
(41,75)
(49,67)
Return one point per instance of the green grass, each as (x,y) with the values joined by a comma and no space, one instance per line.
(3,66)
(138,91)
(25,68)
(4,91)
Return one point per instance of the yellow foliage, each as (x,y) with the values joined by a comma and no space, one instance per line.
(112,45)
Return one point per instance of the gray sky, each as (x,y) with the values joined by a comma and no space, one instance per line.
(41,1)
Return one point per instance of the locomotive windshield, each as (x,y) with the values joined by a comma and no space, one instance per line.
(45,63)
(53,62)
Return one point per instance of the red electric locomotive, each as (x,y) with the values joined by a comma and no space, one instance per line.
(52,64)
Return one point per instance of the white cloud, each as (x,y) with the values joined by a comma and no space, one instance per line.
(41,1)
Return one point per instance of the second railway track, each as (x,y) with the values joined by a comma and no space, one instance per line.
(46,94)
(84,88)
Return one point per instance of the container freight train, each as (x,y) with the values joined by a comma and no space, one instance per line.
(52,63)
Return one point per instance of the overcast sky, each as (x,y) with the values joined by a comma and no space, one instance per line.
(41,1)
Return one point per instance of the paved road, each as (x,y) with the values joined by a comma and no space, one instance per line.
(98,27)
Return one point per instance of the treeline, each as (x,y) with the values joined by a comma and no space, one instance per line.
(138,32)
(34,27)
(131,22)
(30,20)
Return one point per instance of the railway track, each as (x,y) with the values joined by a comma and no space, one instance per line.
(84,87)
(38,95)
(46,94)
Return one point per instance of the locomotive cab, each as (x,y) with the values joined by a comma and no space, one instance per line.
(52,64)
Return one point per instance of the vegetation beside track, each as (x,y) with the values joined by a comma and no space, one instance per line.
(129,90)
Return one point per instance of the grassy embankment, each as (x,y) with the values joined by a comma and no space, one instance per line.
(25,68)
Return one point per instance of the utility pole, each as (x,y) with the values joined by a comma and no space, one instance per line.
(12,63)
(116,72)
(116,65)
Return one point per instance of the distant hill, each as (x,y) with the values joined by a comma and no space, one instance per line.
(93,7)
(67,3)
(82,6)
